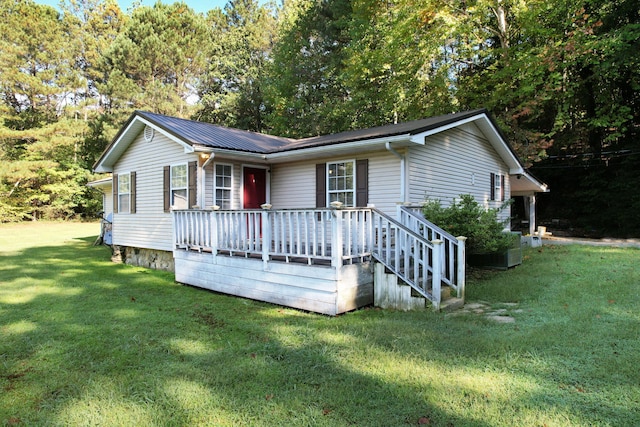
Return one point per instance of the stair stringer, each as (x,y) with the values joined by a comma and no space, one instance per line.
(389,293)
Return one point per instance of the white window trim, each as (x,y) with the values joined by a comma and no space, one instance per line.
(215,185)
(172,188)
(128,194)
(353,190)
(497,186)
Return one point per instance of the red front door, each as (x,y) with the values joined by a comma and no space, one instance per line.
(255,187)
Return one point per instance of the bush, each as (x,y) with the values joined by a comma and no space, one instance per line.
(466,217)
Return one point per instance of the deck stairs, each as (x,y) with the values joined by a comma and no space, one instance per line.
(419,267)
(390,292)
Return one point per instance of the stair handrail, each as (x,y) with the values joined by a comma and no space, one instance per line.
(411,211)
(408,255)
(454,253)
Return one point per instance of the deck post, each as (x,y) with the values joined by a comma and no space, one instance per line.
(174,229)
(436,279)
(266,238)
(214,234)
(336,239)
(461,266)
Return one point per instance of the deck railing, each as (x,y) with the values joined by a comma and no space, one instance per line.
(311,235)
(408,255)
(421,254)
(453,251)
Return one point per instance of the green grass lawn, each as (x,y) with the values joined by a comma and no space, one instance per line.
(84,341)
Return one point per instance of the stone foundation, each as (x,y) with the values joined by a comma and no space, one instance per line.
(149,258)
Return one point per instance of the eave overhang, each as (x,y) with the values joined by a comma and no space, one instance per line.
(525,184)
(126,136)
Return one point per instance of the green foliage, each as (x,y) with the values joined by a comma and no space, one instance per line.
(466,217)
(240,42)
(155,61)
(306,89)
(560,77)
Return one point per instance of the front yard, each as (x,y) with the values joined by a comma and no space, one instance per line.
(87,342)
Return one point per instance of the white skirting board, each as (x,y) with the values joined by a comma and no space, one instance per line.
(320,289)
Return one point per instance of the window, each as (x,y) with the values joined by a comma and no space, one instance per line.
(222,185)
(179,187)
(124,193)
(497,187)
(341,182)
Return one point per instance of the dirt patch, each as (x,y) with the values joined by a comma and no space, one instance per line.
(499,313)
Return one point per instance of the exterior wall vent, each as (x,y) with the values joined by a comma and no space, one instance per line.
(148,133)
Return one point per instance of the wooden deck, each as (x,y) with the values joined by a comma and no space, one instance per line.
(319,260)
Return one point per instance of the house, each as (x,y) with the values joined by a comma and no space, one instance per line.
(318,223)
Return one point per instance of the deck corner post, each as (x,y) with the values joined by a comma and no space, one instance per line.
(436,284)
(336,239)
(266,238)
(213,226)
(174,230)
(461,266)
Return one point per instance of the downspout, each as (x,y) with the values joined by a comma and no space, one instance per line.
(203,177)
(403,178)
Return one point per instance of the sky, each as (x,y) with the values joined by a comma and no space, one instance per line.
(202,6)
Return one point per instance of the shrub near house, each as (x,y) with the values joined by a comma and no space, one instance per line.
(486,238)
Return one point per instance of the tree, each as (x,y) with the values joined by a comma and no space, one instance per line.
(155,62)
(240,41)
(93,26)
(306,90)
(36,71)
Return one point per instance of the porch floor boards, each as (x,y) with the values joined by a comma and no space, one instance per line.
(296,258)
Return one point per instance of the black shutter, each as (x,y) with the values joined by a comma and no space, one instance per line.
(132,190)
(502,188)
(493,186)
(321,185)
(166,182)
(193,183)
(114,183)
(362,182)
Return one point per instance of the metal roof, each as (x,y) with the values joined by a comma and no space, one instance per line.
(214,136)
(201,136)
(406,128)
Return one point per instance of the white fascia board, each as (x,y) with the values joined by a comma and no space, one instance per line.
(104,182)
(334,149)
(226,153)
(117,148)
(525,184)
(491,133)
(420,138)
(126,138)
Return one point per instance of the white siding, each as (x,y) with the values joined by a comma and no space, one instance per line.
(293,185)
(150,227)
(384,181)
(107,201)
(456,162)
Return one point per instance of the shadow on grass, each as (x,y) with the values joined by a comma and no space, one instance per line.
(85,341)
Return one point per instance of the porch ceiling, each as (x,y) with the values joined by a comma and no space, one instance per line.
(525,184)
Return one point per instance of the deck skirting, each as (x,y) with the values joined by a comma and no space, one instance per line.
(321,289)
